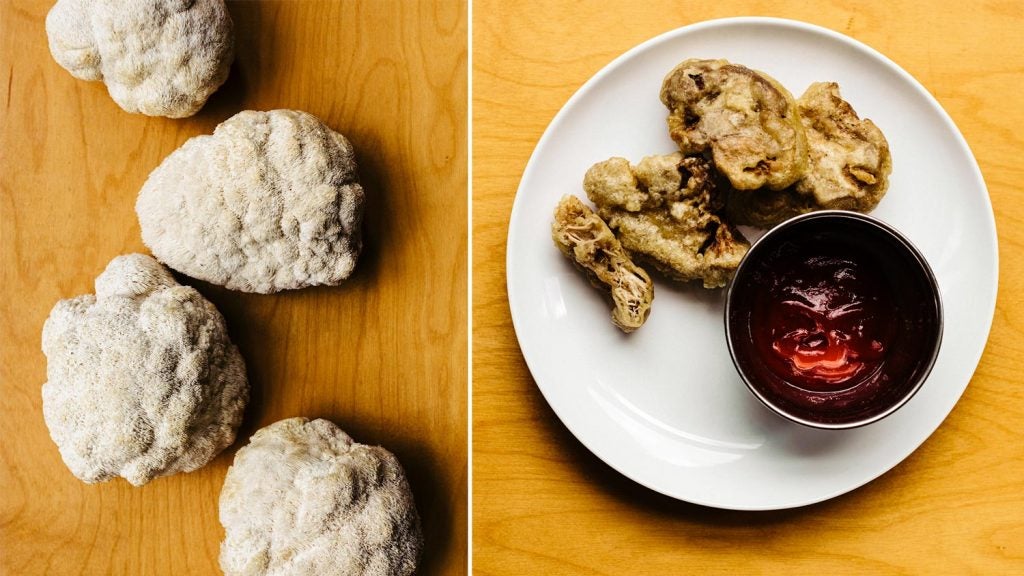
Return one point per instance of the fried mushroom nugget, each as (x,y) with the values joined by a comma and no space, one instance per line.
(766,208)
(583,237)
(849,165)
(744,118)
(850,161)
(665,211)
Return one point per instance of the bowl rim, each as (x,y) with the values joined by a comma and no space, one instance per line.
(909,247)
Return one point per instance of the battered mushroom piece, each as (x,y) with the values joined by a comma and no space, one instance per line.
(304,499)
(142,379)
(766,208)
(271,201)
(589,243)
(156,57)
(746,119)
(666,211)
(849,165)
(850,161)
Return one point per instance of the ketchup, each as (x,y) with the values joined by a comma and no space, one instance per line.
(824,322)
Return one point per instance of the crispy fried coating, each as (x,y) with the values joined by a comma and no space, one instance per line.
(665,211)
(850,161)
(746,119)
(766,208)
(583,237)
(849,165)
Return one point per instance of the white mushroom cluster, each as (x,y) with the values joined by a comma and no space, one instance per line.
(270,201)
(156,57)
(304,499)
(142,379)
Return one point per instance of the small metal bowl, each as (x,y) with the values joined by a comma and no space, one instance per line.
(917,324)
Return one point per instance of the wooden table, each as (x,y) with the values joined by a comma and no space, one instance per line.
(384,355)
(543,504)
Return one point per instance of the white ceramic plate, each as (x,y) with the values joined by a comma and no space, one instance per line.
(664,405)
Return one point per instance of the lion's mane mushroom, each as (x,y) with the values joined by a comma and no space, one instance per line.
(142,380)
(156,57)
(304,499)
(271,201)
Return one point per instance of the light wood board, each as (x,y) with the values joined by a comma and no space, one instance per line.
(543,504)
(384,355)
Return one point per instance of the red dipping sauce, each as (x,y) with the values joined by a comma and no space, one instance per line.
(824,322)
(833,322)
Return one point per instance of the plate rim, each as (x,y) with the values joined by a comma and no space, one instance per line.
(741,21)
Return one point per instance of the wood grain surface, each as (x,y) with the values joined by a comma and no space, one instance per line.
(543,504)
(384,355)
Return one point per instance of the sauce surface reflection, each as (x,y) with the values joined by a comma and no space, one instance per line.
(823,322)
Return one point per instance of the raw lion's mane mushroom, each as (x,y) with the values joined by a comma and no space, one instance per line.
(303,499)
(270,201)
(156,57)
(142,379)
